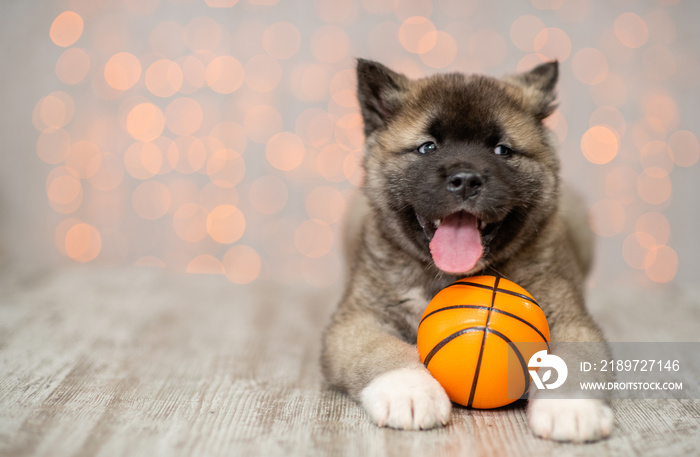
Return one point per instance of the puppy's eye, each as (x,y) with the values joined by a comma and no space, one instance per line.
(427,148)
(502,150)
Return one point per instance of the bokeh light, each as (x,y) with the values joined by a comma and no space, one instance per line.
(205,264)
(656,225)
(638,250)
(225,224)
(193,73)
(661,111)
(64,190)
(143,160)
(83,242)
(343,87)
(224,74)
(443,53)
(664,266)
(82,157)
(610,117)
(66,29)
(73,66)
(53,112)
(654,186)
(145,122)
(285,151)
(631,30)
(163,78)
(192,154)
(418,34)
(524,30)
(242,264)
(553,44)
(599,144)
(122,71)
(685,148)
(222,127)
(52,146)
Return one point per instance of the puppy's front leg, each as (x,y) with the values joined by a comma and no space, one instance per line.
(572,419)
(366,358)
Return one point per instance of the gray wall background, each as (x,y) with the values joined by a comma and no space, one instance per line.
(27,73)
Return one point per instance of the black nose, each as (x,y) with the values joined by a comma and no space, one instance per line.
(465,183)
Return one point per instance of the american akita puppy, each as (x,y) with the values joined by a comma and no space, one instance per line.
(462,178)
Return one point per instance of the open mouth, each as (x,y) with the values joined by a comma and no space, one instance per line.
(455,241)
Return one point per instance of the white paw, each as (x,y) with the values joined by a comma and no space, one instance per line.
(407,398)
(576,420)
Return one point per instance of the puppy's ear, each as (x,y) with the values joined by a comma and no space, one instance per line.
(380,92)
(538,88)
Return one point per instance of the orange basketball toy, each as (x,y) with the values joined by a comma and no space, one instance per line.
(464,336)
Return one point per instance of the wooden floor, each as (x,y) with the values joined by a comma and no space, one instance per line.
(138,362)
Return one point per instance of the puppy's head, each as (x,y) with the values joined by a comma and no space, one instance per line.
(460,168)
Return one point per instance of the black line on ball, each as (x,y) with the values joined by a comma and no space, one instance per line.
(523,364)
(483,345)
(503,291)
(506,313)
(448,339)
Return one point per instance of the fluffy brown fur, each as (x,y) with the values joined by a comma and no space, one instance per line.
(526,235)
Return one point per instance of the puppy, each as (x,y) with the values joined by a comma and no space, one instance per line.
(462,179)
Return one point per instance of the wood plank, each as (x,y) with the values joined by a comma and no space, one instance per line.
(138,362)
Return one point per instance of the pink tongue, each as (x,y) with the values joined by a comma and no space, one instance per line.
(456,245)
